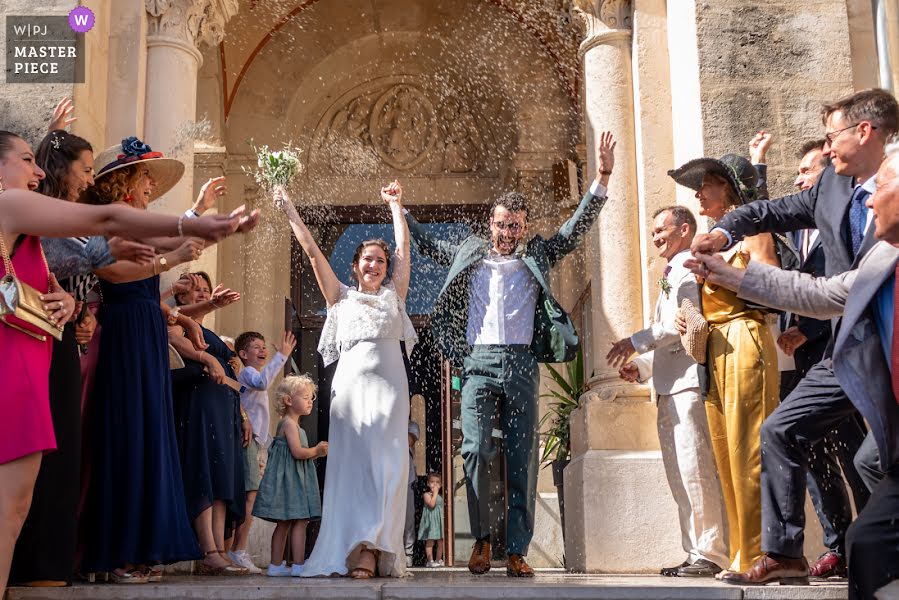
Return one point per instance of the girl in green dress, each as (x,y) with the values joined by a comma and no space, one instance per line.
(288,494)
(430,530)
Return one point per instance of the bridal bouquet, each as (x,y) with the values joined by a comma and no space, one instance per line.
(275,168)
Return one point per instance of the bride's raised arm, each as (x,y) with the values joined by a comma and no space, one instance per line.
(393,196)
(324,274)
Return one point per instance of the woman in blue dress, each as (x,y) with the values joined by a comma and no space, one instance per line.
(212,432)
(135,515)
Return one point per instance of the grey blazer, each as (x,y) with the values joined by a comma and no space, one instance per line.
(858,359)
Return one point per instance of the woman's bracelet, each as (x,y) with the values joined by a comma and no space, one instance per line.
(181,225)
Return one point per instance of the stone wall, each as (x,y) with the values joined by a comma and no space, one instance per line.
(769,65)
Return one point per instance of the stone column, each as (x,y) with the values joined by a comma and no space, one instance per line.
(619,515)
(175,29)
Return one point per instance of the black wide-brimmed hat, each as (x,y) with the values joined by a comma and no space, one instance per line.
(739,173)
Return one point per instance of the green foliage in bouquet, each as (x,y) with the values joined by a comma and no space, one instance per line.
(275,167)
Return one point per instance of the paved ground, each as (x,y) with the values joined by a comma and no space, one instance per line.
(447,584)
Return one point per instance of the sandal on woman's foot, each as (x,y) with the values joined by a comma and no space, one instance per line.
(154,574)
(360,572)
(129,576)
(227,569)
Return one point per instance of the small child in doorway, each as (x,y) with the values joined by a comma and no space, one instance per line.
(256,376)
(288,494)
(430,530)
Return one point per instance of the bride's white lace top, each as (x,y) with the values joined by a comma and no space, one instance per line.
(359,316)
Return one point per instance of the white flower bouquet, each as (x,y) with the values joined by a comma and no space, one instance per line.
(275,168)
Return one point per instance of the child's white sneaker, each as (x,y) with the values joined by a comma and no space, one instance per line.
(440,563)
(431,564)
(281,570)
(241,558)
(296,570)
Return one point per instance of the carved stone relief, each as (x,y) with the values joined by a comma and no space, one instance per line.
(405,126)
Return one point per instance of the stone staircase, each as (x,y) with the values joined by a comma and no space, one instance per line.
(449,584)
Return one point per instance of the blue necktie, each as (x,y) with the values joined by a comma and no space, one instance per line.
(857,219)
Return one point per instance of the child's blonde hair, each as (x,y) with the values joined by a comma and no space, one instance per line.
(289,386)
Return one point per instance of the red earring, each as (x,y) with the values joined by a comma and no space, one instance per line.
(129,198)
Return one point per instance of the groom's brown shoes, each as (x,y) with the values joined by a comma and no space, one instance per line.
(479,563)
(767,569)
(517,567)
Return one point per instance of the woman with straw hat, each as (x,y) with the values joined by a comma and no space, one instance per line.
(135,515)
(742,358)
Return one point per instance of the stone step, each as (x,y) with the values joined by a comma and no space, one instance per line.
(449,584)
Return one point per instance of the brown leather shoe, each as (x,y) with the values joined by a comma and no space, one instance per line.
(765,570)
(517,567)
(829,564)
(479,563)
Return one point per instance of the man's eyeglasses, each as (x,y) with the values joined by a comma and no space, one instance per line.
(830,137)
(510,227)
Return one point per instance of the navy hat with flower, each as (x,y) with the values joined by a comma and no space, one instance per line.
(740,174)
(166,172)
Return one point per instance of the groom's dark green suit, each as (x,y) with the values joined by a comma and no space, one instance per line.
(507,375)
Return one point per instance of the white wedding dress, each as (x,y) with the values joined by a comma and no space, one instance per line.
(366,479)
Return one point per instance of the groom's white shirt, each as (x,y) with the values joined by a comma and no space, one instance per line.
(662,356)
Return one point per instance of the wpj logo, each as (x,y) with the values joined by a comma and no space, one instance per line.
(42,49)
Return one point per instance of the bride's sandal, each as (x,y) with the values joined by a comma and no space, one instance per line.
(360,572)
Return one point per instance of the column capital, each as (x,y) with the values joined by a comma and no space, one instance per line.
(192,22)
(603,21)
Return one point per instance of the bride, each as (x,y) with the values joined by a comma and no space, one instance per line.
(363,509)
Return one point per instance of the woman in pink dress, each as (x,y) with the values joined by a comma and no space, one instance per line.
(26,429)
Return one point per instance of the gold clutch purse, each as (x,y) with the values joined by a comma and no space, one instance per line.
(20,304)
(695,340)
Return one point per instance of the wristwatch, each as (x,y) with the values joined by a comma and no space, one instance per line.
(163,262)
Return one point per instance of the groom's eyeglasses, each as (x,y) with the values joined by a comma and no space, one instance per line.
(510,227)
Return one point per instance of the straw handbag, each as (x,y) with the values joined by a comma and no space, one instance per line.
(695,340)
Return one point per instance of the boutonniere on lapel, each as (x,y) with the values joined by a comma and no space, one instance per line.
(666,286)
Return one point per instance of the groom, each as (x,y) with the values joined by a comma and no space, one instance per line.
(496,318)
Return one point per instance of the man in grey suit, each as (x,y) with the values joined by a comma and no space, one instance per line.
(683,427)
(857,128)
(865,361)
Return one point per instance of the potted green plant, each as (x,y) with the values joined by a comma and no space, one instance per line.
(555,426)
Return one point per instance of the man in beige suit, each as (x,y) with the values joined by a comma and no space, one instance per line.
(683,428)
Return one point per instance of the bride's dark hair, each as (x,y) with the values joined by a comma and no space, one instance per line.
(372,242)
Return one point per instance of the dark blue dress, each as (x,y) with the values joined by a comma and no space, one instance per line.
(210,437)
(135,511)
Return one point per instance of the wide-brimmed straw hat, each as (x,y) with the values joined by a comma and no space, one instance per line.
(166,172)
(739,173)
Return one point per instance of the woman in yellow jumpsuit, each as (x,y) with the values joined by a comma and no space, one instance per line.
(742,359)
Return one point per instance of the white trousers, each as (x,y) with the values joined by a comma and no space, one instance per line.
(693,476)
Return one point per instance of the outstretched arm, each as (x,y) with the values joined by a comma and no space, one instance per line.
(28,212)
(800,293)
(440,251)
(573,230)
(324,274)
(393,196)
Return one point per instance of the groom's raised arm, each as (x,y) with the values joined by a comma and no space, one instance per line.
(572,232)
(440,251)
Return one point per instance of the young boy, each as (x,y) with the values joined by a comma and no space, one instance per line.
(256,376)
